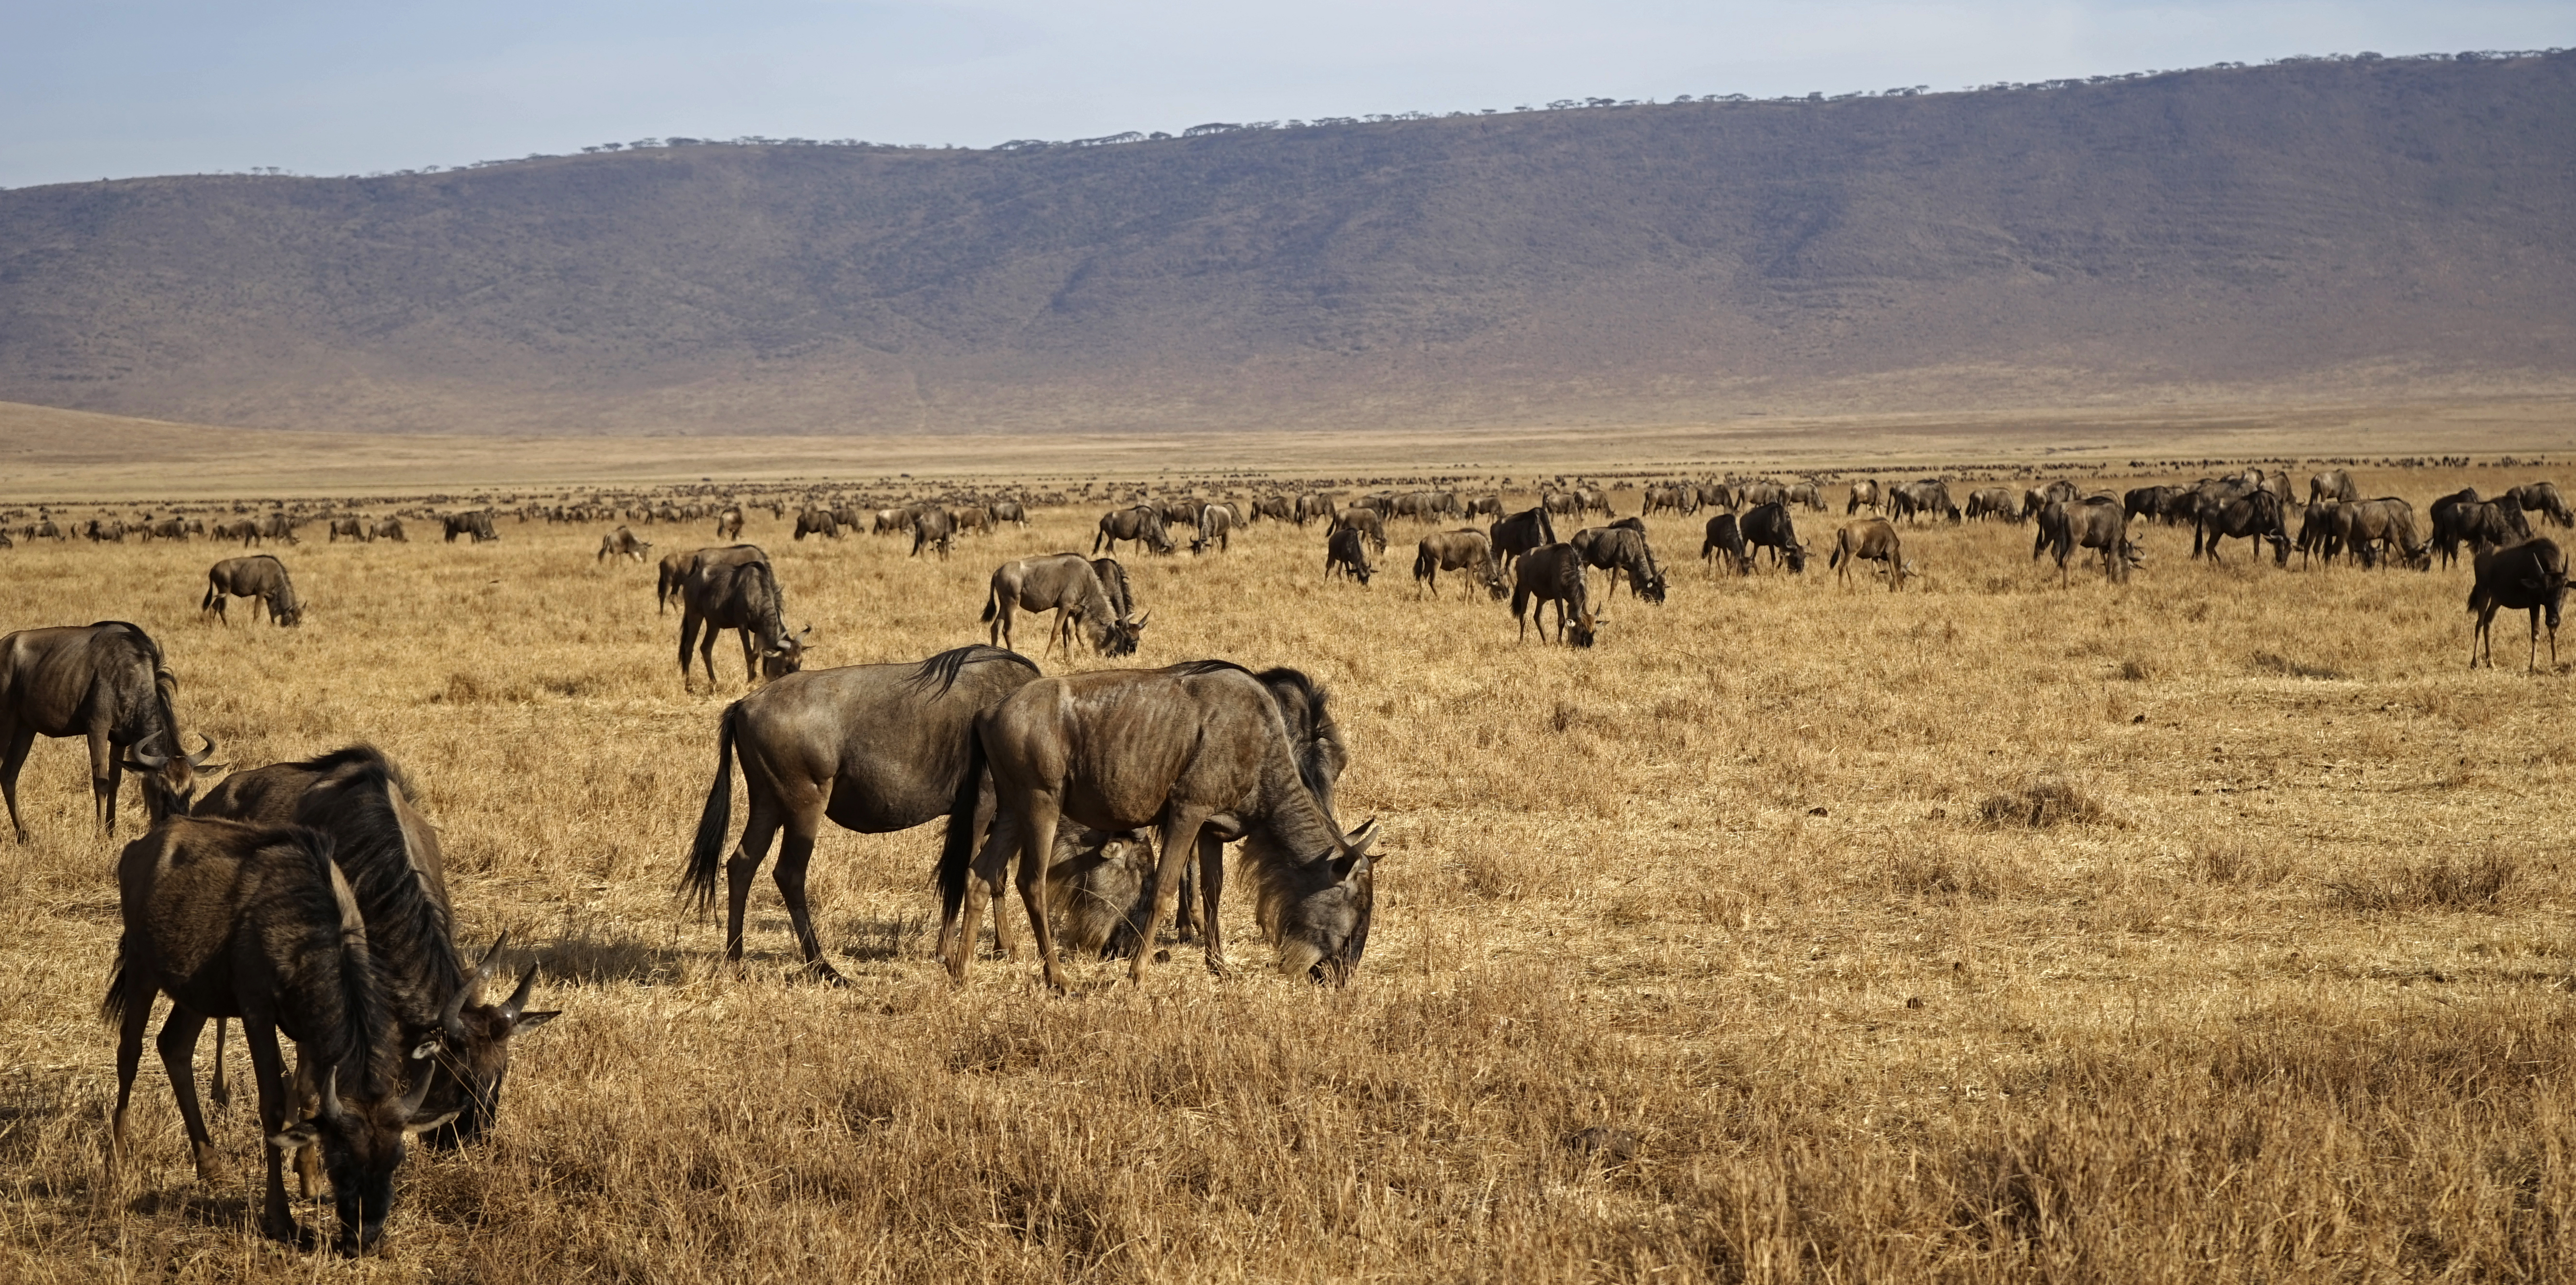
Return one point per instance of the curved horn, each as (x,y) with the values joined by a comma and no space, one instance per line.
(419,1093)
(330,1092)
(518,1001)
(151,762)
(199,758)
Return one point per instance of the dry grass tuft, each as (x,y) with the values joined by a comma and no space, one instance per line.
(2041,804)
(2475,882)
(2274,663)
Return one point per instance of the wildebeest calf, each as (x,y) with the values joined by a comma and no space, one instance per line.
(2530,576)
(1874,541)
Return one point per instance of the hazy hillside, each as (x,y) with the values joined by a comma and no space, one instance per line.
(2316,229)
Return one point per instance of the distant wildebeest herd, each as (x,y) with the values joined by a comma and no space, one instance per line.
(310,902)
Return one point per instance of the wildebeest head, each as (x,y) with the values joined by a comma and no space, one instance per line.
(786,656)
(1797,556)
(1584,628)
(169,782)
(472,1049)
(361,1148)
(1652,588)
(1123,636)
(1322,925)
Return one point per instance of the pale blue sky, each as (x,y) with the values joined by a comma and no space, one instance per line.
(113,88)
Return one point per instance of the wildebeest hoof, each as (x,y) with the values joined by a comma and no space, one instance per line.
(826,974)
(287,1231)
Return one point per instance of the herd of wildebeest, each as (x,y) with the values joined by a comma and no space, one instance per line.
(310,898)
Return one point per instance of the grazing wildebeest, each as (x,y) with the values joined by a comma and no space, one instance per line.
(1724,538)
(2332,485)
(350,529)
(1113,582)
(390,854)
(1368,522)
(729,523)
(257,923)
(1864,495)
(1516,535)
(1215,526)
(2151,502)
(1873,541)
(260,578)
(2097,523)
(1142,523)
(1346,552)
(2530,576)
(738,593)
(621,543)
(1491,506)
(1200,751)
(276,526)
(674,572)
(1768,526)
(2255,515)
(166,529)
(877,748)
(477,525)
(1618,549)
(2543,498)
(391,529)
(1553,574)
(970,517)
(1929,496)
(1011,511)
(2317,538)
(1466,549)
(106,682)
(890,522)
(1806,493)
(2373,529)
(1992,502)
(1313,505)
(1271,506)
(1067,585)
(817,522)
(2476,523)
(1724,496)
(1683,499)
(934,529)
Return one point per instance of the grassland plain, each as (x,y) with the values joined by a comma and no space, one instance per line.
(1726,951)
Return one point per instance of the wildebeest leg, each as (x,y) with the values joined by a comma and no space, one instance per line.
(178,1045)
(790,876)
(688,640)
(1038,813)
(1180,839)
(129,1055)
(13,756)
(106,774)
(983,882)
(2532,665)
(750,666)
(1211,890)
(276,1113)
(220,1093)
(759,828)
(2486,617)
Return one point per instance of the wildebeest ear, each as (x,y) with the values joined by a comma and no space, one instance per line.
(297,1136)
(427,1047)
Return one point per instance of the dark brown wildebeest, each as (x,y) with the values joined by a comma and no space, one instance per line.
(1873,541)
(1466,549)
(934,529)
(1725,539)
(2530,576)
(351,529)
(2333,485)
(1682,499)
(2255,515)
(1931,496)
(257,923)
(276,526)
(970,517)
(2097,523)
(738,593)
(1864,495)
(1201,752)
(1113,582)
(1215,525)
(1553,574)
(1992,502)
(1516,535)
(1011,511)
(2376,529)
(1068,586)
(1279,507)
(2150,502)
(1311,506)
(1368,522)
(1346,551)
(476,525)
(1723,496)
(890,522)
(1768,526)
(877,748)
(729,523)
(106,682)
(1142,523)
(390,855)
(817,522)
(1617,549)
(674,572)
(391,529)
(260,578)
(622,543)
(2477,523)
(2317,537)
(2543,498)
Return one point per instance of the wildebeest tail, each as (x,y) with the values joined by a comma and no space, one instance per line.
(706,852)
(992,603)
(957,847)
(111,1009)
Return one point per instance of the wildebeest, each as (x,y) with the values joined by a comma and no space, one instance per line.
(477,525)
(1872,541)
(1346,552)
(1010,511)
(2254,515)
(1368,522)
(1516,535)
(106,682)
(2373,529)
(817,522)
(1215,527)
(2332,485)
(1622,550)
(1141,523)
(351,529)
(1067,585)
(257,923)
(2463,518)
(621,543)
(276,526)
(1466,549)
(1682,499)
(1200,751)
(1929,496)
(1311,506)
(391,529)
(1553,574)
(729,523)
(1806,494)
(1992,502)
(2097,523)
(890,522)
(1113,582)
(2543,498)
(877,748)
(674,572)
(2151,502)
(1271,506)
(1724,538)
(2530,576)
(970,517)
(934,529)
(1768,527)
(735,588)
(390,854)
(1864,495)
(260,578)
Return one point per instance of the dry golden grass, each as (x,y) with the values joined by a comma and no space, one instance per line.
(1700,956)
